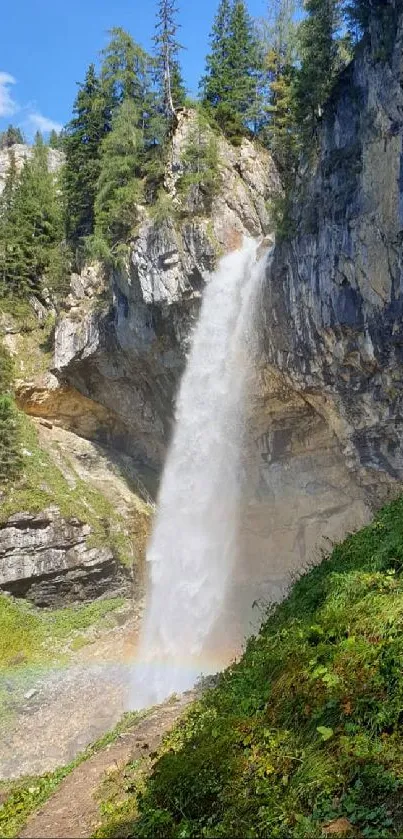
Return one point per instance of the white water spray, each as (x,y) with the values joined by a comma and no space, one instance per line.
(193,550)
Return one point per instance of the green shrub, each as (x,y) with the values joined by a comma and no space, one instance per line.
(10,440)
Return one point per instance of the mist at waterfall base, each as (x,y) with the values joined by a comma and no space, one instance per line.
(188,630)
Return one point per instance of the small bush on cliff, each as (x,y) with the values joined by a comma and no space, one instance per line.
(10,440)
(10,432)
(200,159)
(305,732)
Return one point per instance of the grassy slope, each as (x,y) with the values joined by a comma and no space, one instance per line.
(307,727)
(34,636)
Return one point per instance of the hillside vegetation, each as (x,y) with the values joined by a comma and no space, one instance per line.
(302,737)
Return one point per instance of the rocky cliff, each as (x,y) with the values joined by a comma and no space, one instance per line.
(102,418)
(21,152)
(324,433)
(332,307)
(123,339)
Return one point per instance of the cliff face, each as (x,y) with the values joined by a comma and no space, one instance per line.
(326,413)
(332,308)
(21,152)
(127,351)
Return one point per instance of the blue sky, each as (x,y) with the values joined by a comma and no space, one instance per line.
(46,46)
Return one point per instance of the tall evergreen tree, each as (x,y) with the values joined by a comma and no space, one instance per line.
(360,13)
(31,226)
(55,140)
(10,137)
(119,187)
(216,83)
(126,71)
(231,86)
(10,437)
(280,62)
(82,145)
(10,440)
(168,72)
(244,61)
(320,62)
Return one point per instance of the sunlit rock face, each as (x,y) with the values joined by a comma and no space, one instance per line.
(124,338)
(19,153)
(50,560)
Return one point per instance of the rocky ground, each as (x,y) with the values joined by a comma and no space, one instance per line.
(57,712)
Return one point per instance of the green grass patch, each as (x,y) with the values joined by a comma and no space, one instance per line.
(33,636)
(23,797)
(307,728)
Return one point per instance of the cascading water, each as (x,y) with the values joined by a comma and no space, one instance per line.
(194,545)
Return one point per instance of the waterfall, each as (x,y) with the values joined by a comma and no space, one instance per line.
(193,549)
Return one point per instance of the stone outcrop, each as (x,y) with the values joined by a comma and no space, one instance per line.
(333,305)
(50,561)
(21,152)
(127,352)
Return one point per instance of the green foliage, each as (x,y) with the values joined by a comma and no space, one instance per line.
(10,441)
(82,145)
(307,727)
(55,140)
(6,371)
(29,635)
(119,188)
(163,210)
(125,73)
(320,63)
(200,159)
(230,87)
(31,227)
(279,44)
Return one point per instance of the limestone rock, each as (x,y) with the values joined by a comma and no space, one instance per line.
(126,352)
(21,153)
(50,561)
(332,313)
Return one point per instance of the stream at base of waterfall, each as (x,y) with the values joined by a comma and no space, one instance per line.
(189,628)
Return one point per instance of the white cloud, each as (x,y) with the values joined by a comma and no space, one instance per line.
(7,104)
(28,117)
(40,123)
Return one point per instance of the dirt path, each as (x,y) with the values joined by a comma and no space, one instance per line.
(72,812)
(57,712)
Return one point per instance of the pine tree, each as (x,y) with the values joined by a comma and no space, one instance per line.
(231,86)
(200,159)
(126,72)
(31,225)
(10,440)
(55,141)
(281,57)
(360,13)
(320,63)
(244,61)
(82,145)
(216,83)
(168,73)
(11,137)
(119,185)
